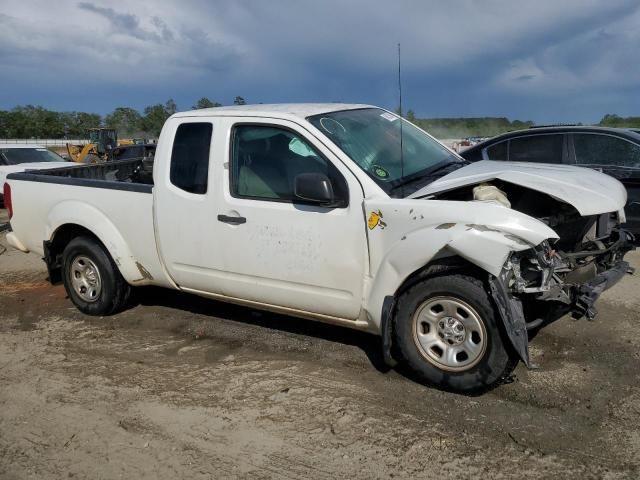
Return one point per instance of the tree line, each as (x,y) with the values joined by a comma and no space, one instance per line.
(491,126)
(620,122)
(31,121)
(470,127)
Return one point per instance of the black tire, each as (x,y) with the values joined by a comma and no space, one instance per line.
(114,292)
(493,361)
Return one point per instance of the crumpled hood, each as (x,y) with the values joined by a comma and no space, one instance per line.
(21,167)
(589,191)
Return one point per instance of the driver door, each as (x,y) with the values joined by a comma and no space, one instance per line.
(279,250)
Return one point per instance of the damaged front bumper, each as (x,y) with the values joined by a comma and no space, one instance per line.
(588,293)
(574,279)
(541,285)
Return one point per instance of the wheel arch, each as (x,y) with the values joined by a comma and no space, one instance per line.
(69,220)
(436,267)
(58,241)
(507,307)
(444,265)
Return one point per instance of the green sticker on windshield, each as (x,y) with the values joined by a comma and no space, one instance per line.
(380,172)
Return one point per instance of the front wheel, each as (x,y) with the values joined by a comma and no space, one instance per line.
(450,335)
(92,280)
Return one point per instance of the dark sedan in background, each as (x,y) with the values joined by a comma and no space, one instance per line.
(614,151)
(136,150)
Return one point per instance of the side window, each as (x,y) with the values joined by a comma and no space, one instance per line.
(498,151)
(536,148)
(472,156)
(266,160)
(593,149)
(190,157)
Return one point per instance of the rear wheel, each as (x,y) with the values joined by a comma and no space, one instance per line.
(92,280)
(450,335)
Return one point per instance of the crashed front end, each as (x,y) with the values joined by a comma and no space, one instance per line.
(567,272)
(583,208)
(569,276)
(540,285)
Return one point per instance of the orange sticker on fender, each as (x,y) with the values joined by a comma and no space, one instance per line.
(375,220)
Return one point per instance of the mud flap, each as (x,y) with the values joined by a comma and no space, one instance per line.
(512,315)
(54,265)
(386,327)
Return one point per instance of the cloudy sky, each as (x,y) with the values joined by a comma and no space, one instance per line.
(545,60)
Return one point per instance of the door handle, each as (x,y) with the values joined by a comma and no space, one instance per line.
(232,220)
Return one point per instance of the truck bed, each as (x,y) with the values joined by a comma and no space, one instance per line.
(111,200)
(134,175)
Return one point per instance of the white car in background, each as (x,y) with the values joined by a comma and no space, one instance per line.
(26,156)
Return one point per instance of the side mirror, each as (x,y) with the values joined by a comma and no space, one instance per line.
(314,188)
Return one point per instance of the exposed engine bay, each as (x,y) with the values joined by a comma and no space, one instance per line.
(567,276)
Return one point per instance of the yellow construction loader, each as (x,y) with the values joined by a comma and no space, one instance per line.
(101,142)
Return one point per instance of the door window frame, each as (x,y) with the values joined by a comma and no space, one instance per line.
(344,202)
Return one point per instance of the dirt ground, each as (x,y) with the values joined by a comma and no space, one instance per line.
(181,387)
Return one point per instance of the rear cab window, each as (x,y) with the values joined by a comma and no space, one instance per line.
(189,169)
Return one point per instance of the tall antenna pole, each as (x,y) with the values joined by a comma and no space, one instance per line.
(401,121)
(399,79)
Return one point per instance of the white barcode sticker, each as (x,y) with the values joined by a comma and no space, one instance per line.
(389,116)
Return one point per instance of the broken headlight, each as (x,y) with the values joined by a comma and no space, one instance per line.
(532,270)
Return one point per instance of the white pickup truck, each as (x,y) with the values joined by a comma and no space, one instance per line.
(313,210)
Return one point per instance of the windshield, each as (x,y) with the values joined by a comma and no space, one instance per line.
(15,156)
(371,138)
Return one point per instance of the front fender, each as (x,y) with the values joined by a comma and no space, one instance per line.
(91,218)
(410,234)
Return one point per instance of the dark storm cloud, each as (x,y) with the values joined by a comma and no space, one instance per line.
(165,32)
(544,60)
(128,24)
(124,22)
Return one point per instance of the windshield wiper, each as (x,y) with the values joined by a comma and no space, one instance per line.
(462,163)
(429,173)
